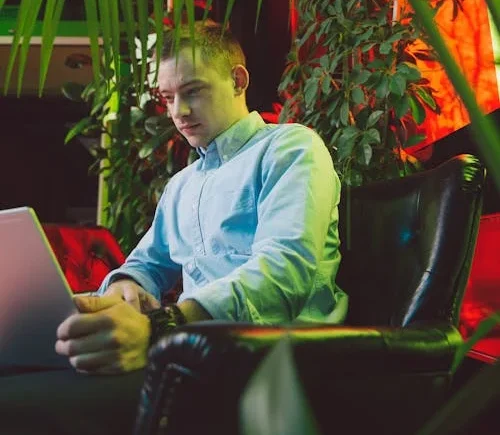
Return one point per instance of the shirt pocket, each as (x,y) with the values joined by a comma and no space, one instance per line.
(228,218)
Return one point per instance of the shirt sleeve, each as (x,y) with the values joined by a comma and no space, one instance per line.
(296,206)
(149,263)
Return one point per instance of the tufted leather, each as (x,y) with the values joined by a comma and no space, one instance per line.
(407,250)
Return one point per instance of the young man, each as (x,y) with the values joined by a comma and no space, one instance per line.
(251,225)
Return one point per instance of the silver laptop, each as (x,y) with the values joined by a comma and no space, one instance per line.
(34,294)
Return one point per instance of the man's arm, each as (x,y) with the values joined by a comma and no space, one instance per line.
(149,264)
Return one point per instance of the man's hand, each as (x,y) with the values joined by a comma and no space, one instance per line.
(108,336)
(134,294)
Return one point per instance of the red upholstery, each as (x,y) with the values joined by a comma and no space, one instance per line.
(482,295)
(86,254)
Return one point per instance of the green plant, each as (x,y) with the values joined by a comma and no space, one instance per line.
(352,78)
(137,148)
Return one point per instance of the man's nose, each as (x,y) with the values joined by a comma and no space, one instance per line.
(180,108)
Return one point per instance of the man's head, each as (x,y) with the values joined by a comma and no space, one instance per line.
(204,95)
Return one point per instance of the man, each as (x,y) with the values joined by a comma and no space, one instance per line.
(251,225)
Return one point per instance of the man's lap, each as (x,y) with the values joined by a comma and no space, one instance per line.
(66,402)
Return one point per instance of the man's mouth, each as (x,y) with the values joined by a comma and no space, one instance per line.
(189,128)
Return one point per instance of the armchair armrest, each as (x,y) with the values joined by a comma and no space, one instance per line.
(205,367)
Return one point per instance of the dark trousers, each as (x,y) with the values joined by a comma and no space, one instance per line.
(64,402)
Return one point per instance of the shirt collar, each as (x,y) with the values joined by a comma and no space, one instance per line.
(229,142)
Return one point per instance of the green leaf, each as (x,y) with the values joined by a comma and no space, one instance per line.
(374,118)
(73,91)
(410,70)
(229,9)
(307,35)
(414,140)
(482,330)
(142,15)
(402,106)
(28,28)
(417,110)
(78,128)
(53,11)
(397,85)
(367,153)
(158,12)
(426,98)
(130,25)
(358,96)
(385,48)
(259,7)
(153,143)
(208,5)
(1,4)
(326,85)
(344,113)
(93,31)
(344,147)
(310,92)
(377,64)
(361,77)
(382,89)
(115,36)
(372,135)
(106,33)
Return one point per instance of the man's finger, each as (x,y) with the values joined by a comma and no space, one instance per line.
(93,304)
(149,302)
(79,325)
(131,296)
(90,362)
(86,344)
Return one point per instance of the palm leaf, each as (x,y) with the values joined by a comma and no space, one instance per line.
(229,9)
(178,6)
(20,23)
(158,14)
(93,31)
(190,16)
(53,11)
(208,5)
(129,22)
(142,13)
(259,7)
(31,17)
(1,4)
(106,32)
(115,36)
(494,7)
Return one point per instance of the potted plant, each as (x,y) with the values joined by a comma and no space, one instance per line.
(352,78)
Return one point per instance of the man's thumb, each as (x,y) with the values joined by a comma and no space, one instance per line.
(92,304)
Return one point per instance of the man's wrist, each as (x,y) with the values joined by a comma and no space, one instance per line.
(163,320)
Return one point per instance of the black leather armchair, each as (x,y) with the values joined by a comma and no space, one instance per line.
(407,250)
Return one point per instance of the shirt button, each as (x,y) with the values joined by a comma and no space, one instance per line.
(199,249)
(190,266)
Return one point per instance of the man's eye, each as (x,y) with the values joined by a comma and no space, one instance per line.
(168,99)
(193,91)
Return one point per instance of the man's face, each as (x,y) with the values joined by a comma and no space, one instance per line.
(200,100)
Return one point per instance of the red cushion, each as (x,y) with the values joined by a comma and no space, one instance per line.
(482,295)
(86,254)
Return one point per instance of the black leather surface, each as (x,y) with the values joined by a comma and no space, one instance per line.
(407,249)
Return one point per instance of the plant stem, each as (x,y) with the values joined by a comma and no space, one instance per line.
(487,135)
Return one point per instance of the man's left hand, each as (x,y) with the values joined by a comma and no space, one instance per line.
(108,336)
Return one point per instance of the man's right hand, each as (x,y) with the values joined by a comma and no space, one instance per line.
(134,294)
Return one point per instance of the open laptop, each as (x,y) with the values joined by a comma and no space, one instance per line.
(34,294)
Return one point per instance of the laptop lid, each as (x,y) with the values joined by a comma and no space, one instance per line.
(34,294)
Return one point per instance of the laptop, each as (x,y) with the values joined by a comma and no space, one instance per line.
(34,295)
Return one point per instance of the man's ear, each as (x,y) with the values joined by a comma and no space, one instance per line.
(241,79)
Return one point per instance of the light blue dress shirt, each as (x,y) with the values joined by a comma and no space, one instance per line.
(252,227)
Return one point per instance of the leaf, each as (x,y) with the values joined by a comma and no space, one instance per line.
(28,29)
(73,91)
(53,11)
(382,89)
(402,106)
(326,85)
(414,140)
(229,9)
(130,25)
(417,110)
(358,96)
(361,77)
(78,128)
(310,92)
(259,7)
(367,153)
(426,98)
(307,35)
(93,31)
(142,15)
(374,118)
(482,330)
(344,113)
(410,70)
(397,85)
(158,19)
(372,136)
(344,148)
(385,48)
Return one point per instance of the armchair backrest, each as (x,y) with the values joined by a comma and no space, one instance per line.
(408,243)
